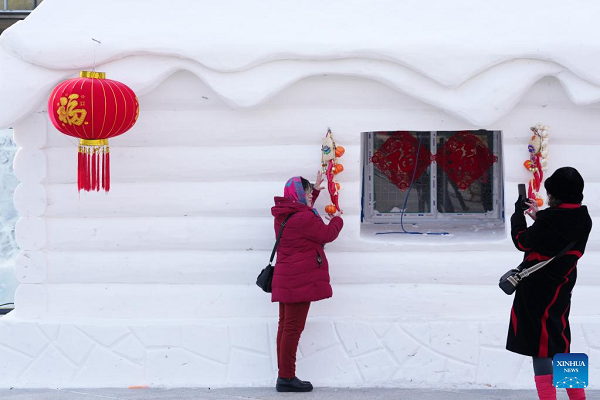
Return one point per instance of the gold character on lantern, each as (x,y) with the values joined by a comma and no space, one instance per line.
(68,113)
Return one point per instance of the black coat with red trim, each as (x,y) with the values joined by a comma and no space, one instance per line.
(539,323)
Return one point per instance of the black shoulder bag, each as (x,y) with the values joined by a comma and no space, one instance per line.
(265,278)
(510,280)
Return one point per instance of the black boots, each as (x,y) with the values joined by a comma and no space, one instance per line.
(293,385)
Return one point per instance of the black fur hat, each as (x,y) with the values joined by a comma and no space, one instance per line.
(566,185)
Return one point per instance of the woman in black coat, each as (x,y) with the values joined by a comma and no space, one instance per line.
(539,323)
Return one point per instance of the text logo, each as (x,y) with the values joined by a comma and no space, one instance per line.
(570,370)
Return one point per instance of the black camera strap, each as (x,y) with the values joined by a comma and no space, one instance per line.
(528,271)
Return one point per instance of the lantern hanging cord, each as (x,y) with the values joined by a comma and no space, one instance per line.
(99,42)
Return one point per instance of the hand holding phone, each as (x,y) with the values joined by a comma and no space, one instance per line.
(521,204)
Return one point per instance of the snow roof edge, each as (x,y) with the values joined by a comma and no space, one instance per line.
(481,100)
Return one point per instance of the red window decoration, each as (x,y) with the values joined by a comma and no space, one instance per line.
(464,158)
(397,156)
(93,109)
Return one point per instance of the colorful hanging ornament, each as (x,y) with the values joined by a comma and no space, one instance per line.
(538,161)
(329,162)
(93,109)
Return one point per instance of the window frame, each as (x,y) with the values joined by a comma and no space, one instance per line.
(368,180)
(6,9)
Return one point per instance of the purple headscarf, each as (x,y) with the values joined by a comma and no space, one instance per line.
(295,191)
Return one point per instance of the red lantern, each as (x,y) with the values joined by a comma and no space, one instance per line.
(93,109)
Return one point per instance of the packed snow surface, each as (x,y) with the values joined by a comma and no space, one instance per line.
(472,59)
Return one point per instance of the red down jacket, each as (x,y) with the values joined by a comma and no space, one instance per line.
(298,276)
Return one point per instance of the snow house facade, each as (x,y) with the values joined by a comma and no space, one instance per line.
(153,283)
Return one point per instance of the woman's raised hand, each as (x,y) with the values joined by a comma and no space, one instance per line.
(319,181)
(533,208)
(330,216)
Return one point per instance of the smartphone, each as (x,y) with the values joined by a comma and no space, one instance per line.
(523,196)
(522,191)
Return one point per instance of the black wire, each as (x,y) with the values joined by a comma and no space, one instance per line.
(412,180)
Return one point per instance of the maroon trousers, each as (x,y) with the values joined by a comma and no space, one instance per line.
(292,318)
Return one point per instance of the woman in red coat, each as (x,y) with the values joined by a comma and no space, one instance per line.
(301,273)
(539,323)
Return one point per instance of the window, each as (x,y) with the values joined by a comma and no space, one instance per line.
(432,176)
(12,11)
(8,219)
(20,5)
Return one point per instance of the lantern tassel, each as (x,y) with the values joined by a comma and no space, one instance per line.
(82,173)
(86,166)
(79,168)
(88,181)
(103,167)
(97,187)
(93,165)
(94,169)
(82,170)
(107,187)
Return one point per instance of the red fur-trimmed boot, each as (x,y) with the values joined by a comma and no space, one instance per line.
(543,384)
(576,394)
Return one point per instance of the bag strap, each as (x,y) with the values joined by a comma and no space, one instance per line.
(528,271)
(279,237)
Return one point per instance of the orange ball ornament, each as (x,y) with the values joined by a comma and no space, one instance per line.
(539,201)
(330,209)
(337,186)
(338,168)
(339,151)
